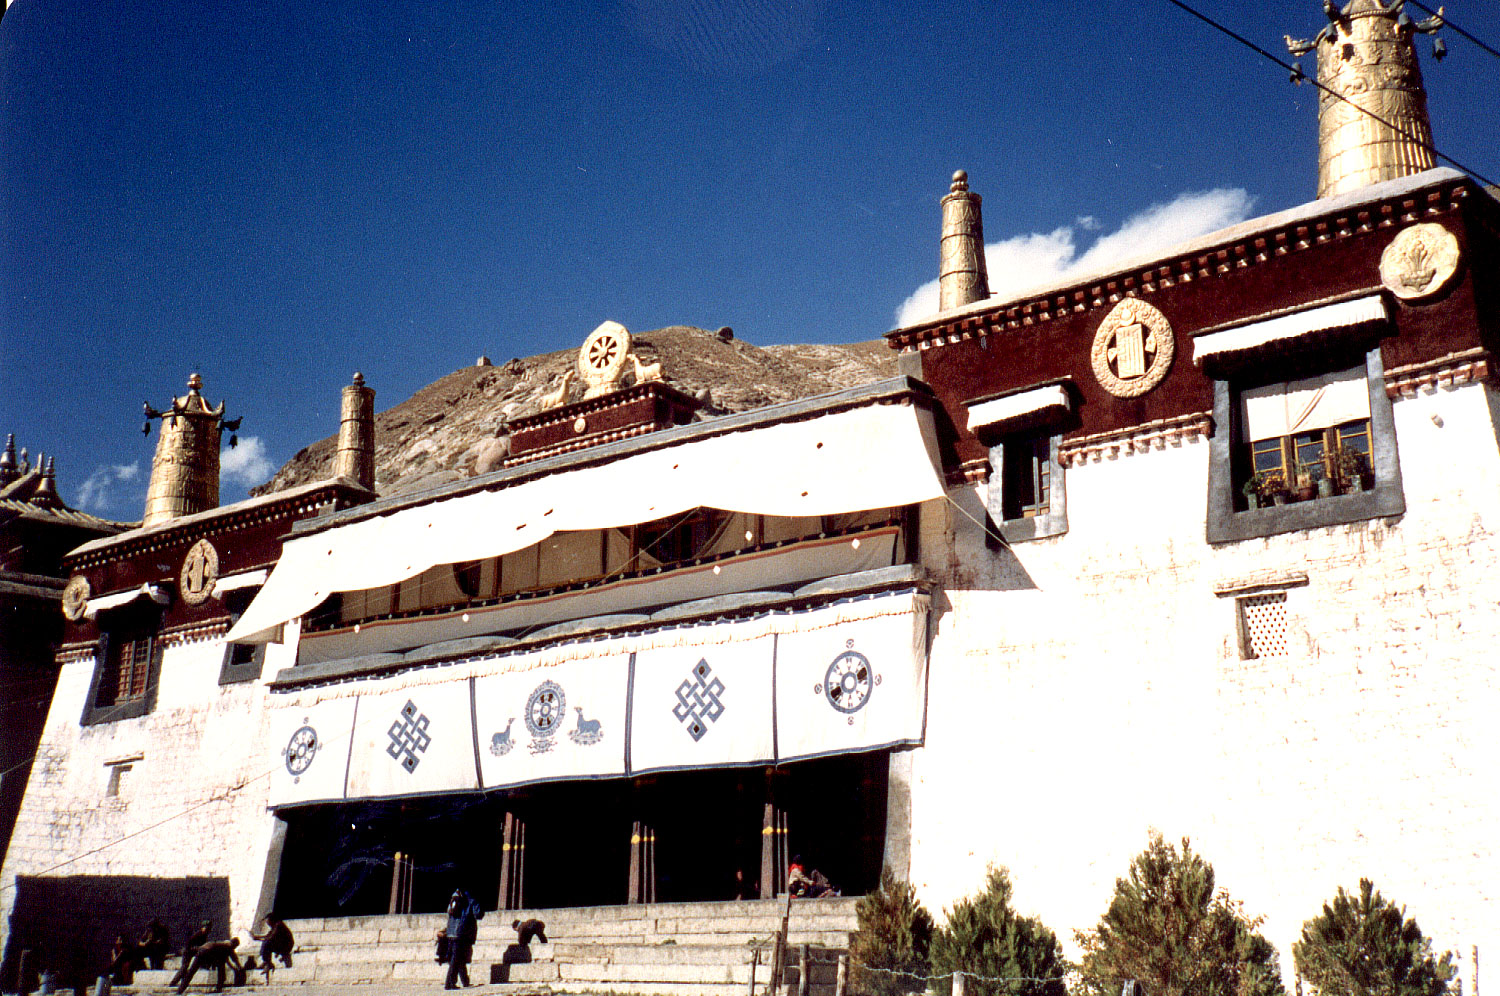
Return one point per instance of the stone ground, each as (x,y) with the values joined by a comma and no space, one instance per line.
(256,988)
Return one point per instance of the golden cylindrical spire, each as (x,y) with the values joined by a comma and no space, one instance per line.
(185,470)
(962,277)
(1366,56)
(356,453)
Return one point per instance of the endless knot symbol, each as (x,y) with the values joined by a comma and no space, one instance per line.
(698,702)
(409,737)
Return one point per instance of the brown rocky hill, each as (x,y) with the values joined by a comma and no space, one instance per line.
(440,433)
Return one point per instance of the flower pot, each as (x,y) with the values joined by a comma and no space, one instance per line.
(1325,487)
(1252,501)
(1279,498)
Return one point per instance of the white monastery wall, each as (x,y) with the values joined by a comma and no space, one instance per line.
(1089,687)
(192,805)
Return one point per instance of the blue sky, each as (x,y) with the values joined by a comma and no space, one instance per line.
(278,194)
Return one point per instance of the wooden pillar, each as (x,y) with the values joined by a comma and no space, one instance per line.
(401,882)
(773,851)
(512,863)
(642,887)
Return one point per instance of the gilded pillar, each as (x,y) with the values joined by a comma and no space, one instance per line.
(185,470)
(962,277)
(1366,56)
(355,458)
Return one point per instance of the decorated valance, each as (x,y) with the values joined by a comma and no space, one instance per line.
(840,678)
(877,456)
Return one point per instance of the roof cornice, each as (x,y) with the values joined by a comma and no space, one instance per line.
(1250,243)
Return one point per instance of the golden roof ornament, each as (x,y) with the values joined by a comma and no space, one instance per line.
(962,275)
(1373,125)
(355,456)
(185,469)
(602,359)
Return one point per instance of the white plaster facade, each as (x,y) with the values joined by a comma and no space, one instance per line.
(1089,687)
(191,805)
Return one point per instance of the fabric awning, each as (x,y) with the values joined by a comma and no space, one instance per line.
(999,411)
(156,593)
(876,456)
(1244,338)
(249,579)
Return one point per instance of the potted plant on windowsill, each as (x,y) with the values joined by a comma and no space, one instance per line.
(1272,489)
(1251,490)
(1304,489)
(1350,467)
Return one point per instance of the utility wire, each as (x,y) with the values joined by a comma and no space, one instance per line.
(1449,24)
(1297,74)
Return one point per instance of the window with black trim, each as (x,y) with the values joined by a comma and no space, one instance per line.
(1026,476)
(1023,430)
(242,661)
(1302,439)
(127,663)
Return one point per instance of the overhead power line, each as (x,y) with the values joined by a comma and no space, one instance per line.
(1449,24)
(1297,74)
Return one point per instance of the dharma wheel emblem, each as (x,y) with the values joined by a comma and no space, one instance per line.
(75,598)
(1133,349)
(602,358)
(300,750)
(1419,262)
(200,570)
(849,681)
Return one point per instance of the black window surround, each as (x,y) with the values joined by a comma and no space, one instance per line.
(242,662)
(1386,498)
(116,626)
(1047,421)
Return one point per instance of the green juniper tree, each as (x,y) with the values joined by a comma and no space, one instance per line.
(894,938)
(1167,929)
(1365,946)
(985,937)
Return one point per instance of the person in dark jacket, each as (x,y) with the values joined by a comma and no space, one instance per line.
(155,943)
(464,915)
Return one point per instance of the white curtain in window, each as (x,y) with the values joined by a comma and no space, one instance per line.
(1291,407)
(879,456)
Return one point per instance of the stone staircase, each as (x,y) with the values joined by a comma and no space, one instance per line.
(669,949)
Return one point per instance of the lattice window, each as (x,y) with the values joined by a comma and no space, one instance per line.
(1263,625)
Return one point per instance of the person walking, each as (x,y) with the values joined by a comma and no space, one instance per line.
(462,930)
(275,942)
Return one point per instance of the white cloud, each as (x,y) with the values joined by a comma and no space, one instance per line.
(247,463)
(1088,223)
(1026,261)
(98,492)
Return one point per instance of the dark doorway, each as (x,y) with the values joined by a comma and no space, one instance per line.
(338,859)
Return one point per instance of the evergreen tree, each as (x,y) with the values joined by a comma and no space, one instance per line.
(1364,946)
(1167,929)
(895,934)
(984,936)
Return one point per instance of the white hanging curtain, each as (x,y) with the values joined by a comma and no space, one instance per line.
(1297,406)
(840,678)
(877,456)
